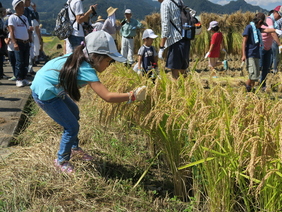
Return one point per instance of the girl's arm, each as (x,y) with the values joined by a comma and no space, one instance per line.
(106,95)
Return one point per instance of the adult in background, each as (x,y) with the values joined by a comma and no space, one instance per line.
(30,14)
(128,32)
(20,37)
(78,17)
(99,24)
(266,52)
(3,46)
(179,48)
(275,55)
(110,23)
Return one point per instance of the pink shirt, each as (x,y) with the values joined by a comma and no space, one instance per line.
(267,37)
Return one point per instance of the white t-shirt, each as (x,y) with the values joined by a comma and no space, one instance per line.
(20,26)
(76,7)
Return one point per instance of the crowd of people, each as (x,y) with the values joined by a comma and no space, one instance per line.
(20,40)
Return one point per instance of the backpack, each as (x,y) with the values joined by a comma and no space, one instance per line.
(64,27)
(189,23)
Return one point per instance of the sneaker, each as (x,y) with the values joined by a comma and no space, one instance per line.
(64,167)
(81,154)
(19,83)
(12,78)
(225,64)
(274,71)
(26,82)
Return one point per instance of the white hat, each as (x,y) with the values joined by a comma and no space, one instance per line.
(148,33)
(101,42)
(127,11)
(15,3)
(9,11)
(212,25)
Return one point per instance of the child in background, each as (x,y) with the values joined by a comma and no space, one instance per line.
(252,43)
(55,89)
(215,46)
(147,55)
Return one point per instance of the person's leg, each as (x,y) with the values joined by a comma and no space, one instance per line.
(275,57)
(178,57)
(124,47)
(253,69)
(30,59)
(130,51)
(1,67)
(265,65)
(64,111)
(26,52)
(12,59)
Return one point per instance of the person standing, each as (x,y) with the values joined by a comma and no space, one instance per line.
(268,39)
(252,43)
(275,56)
(20,37)
(178,47)
(3,46)
(110,25)
(216,45)
(99,24)
(30,14)
(147,55)
(128,32)
(77,17)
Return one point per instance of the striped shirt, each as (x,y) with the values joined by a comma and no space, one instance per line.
(170,12)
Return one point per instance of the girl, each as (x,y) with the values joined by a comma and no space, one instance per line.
(215,47)
(56,87)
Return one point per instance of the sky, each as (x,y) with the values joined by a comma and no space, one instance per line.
(265,4)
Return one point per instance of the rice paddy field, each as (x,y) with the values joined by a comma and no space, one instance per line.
(195,144)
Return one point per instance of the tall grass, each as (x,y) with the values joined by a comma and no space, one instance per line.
(222,145)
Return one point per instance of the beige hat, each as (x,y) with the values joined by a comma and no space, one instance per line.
(111,10)
(100,19)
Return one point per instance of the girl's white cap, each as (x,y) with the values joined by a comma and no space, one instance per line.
(101,42)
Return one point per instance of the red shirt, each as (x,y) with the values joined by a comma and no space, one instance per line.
(216,41)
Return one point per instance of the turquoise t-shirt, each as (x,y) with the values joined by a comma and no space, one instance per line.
(45,83)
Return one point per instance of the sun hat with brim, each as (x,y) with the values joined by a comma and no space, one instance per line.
(100,18)
(148,33)
(278,9)
(15,3)
(101,42)
(111,10)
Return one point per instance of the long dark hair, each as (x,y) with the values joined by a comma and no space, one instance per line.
(68,74)
(69,71)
